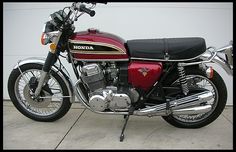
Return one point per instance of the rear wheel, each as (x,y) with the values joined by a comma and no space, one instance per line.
(196,78)
(50,106)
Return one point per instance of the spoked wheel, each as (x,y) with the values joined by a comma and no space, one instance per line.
(53,101)
(196,80)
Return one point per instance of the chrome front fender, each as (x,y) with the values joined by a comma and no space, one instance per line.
(63,73)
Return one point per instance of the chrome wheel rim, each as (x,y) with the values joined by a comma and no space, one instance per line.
(200,82)
(47,104)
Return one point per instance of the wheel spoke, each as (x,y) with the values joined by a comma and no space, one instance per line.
(200,82)
(41,107)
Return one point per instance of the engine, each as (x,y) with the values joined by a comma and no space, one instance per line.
(102,80)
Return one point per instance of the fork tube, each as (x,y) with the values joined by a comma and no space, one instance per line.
(50,60)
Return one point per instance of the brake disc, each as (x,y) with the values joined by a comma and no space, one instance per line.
(37,103)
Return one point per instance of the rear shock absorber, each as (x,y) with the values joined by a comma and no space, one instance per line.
(182,79)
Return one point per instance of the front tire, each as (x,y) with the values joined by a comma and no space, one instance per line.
(45,109)
(217,106)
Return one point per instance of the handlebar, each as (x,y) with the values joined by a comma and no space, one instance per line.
(79,7)
(102,2)
(82,8)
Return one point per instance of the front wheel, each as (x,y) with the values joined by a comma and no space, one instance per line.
(51,104)
(196,78)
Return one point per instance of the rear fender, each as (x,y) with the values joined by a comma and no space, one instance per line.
(219,61)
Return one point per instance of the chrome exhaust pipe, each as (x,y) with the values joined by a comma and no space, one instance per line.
(177,106)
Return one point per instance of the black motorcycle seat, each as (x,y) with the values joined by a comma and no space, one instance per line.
(167,48)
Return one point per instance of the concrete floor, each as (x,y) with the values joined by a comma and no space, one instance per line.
(83,129)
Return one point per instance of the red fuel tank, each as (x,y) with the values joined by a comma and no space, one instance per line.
(93,45)
(142,74)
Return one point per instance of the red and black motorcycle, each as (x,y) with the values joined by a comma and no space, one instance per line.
(144,77)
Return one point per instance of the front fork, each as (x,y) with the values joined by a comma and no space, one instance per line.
(49,62)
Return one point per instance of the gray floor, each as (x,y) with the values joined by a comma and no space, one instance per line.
(82,129)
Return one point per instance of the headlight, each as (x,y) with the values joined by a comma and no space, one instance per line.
(49,34)
(50,28)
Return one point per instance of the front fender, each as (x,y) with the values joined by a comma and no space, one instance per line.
(63,73)
(219,61)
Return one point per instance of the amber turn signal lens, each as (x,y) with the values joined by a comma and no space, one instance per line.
(53,47)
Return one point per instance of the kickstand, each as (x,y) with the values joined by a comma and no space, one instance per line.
(123,129)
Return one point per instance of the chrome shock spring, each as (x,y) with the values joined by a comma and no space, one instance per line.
(182,79)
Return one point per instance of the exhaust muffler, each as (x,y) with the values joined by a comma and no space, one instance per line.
(193,110)
(180,106)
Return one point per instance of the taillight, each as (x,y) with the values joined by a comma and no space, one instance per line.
(209,72)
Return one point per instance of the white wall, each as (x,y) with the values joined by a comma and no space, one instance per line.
(22,27)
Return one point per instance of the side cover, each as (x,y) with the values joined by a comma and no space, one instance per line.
(143,75)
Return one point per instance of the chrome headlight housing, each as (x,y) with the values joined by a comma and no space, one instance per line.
(51,28)
(49,34)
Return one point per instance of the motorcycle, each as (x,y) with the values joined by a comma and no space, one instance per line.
(168,77)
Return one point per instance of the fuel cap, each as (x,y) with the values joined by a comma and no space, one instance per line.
(92,30)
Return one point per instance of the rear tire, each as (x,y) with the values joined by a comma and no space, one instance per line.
(24,107)
(218,108)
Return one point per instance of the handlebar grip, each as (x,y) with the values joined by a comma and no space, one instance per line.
(102,2)
(82,8)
